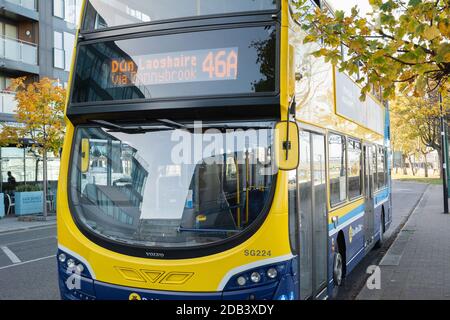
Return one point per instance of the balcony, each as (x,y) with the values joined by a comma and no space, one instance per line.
(27,4)
(8,103)
(17,50)
(19,9)
(18,55)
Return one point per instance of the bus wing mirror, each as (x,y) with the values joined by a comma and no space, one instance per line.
(85,152)
(287,145)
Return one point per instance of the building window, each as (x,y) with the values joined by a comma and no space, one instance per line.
(69,43)
(9,48)
(58,51)
(337,170)
(8,104)
(5,83)
(69,10)
(58,8)
(354,169)
(63,50)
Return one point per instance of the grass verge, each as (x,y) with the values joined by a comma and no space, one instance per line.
(435,181)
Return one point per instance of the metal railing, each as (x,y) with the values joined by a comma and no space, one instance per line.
(29,4)
(8,103)
(17,50)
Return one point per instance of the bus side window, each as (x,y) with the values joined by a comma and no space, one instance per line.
(293,210)
(381,168)
(337,169)
(374,151)
(354,169)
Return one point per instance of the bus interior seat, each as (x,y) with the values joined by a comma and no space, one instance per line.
(256,200)
(212,200)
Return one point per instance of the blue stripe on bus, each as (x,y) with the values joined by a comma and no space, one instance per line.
(355,212)
(382,196)
(379,198)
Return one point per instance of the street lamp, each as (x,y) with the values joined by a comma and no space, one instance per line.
(444,155)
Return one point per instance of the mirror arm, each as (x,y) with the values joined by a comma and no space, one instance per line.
(287,145)
(293,107)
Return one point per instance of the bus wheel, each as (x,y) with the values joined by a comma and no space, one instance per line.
(338,266)
(338,269)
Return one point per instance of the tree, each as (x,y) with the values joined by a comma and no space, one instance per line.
(403,140)
(416,121)
(402,43)
(40,115)
(424,151)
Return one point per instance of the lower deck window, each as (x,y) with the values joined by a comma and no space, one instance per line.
(381,168)
(337,169)
(354,169)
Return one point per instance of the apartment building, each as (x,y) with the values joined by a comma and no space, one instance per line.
(36,41)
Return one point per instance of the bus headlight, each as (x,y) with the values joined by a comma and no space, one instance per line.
(256,277)
(68,265)
(62,258)
(260,276)
(272,273)
(241,281)
(71,264)
(80,268)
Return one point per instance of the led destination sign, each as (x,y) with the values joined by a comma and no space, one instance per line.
(176,67)
(225,62)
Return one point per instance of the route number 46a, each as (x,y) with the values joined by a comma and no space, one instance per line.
(221,65)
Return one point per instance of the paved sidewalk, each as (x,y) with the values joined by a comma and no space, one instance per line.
(418,263)
(12,224)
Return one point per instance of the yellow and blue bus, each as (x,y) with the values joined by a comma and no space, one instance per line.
(209,155)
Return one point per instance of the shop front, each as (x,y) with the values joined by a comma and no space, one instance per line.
(21,181)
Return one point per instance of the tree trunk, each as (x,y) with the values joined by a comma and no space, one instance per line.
(412,166)
(441,173)
(37,171)
(405,170)
(426,164)
(45,183)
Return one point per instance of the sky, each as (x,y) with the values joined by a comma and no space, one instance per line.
(348,4)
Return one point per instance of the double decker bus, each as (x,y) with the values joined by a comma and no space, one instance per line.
(209,155)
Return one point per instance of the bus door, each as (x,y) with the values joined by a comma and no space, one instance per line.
(313,215)
(369,214)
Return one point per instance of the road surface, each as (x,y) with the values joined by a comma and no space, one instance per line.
(28,264)
(405,197)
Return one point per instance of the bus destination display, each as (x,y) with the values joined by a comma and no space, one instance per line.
(176,67)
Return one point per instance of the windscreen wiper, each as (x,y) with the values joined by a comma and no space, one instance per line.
(172,124)
(180,229)
(167,124)
(220,126)
(131,129)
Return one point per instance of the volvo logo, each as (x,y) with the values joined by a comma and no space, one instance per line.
(154,254)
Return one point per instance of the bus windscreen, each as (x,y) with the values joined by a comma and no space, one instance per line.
(102,14)
(206,63)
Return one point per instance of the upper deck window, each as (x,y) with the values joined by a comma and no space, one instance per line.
(102,14)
